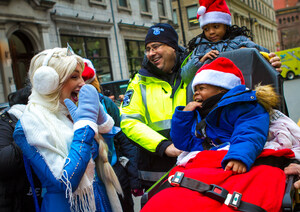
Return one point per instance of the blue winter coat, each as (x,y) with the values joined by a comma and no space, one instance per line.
(238,119)
(189,70)
(82,148)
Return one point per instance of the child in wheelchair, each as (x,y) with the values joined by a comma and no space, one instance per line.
(224,113)
(228,117)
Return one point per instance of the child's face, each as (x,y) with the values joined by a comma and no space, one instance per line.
(215,32)
(205,91)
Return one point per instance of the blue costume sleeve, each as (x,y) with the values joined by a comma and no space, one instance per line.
(183,130)
(75,165)
(251,125)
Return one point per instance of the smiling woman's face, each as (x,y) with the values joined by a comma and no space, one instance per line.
(71,87)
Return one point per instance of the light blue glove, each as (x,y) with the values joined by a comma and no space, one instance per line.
(102,116)
(88,105)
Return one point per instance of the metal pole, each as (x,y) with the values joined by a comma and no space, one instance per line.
(116,36)
(181,23)
(251,22)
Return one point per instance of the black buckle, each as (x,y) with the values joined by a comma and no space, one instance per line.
(233,200)
(217,193)
(176,179)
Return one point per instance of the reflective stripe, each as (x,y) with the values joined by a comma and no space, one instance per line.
(143,93)
(157,126)
(160,125)
(133,116)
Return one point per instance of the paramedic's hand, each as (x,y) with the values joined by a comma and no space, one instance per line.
(210,55)
(275,61)
(236,166)
(293,169)
(172,151)
(192,106)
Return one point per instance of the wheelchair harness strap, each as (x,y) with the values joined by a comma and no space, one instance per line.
(215,192)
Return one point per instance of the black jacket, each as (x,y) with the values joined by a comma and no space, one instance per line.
(15,191)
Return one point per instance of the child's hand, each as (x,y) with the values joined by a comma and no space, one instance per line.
(210,55)
(192,106)
(236,166)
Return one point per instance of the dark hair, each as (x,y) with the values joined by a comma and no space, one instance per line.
(231,33)
(107,92)
(20,96)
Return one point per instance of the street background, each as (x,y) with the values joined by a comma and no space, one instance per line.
(291,89)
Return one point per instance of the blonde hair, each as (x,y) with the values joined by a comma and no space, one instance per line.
(63,64)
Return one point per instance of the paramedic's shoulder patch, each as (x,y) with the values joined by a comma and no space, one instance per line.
(127,98)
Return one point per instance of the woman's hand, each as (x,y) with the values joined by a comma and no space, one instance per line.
(210,55)
(88,105)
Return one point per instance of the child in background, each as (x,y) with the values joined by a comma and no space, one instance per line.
(218,36)
(224,113)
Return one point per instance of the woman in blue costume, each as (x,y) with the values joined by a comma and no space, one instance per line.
(61,141)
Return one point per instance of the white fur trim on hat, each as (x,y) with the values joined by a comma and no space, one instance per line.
(216,78)
(215,17)
(201,10)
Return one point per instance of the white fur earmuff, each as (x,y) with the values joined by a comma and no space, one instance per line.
(45,78)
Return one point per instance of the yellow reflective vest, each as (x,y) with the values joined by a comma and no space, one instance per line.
(147,110)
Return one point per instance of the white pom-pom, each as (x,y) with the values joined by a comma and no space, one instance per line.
(45,80)
(201,10)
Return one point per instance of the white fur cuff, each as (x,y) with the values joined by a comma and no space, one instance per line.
(82,123)
(106,126)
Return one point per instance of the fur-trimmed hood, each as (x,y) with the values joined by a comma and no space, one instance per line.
(267,96)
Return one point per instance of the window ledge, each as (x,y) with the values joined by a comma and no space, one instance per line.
(125,9)
(148,14)
(103,4)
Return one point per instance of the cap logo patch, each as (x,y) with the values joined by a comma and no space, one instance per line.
(157,30)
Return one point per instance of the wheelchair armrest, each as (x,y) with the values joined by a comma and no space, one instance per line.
(156,187)
(288,201)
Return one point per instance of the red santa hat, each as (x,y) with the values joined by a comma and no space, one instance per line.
(89,72)
(213,11)
(221,72)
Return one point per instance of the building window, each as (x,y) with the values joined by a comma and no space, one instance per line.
(135,55)
(94,49)
(175,21)
(144,6)
(123,3)
(161,8)
(192,15)
(279,20)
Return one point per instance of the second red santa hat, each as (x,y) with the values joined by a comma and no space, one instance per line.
(221,72)
(213,11)
(89,72)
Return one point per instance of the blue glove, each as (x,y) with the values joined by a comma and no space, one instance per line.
(102,116)
(88,105)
